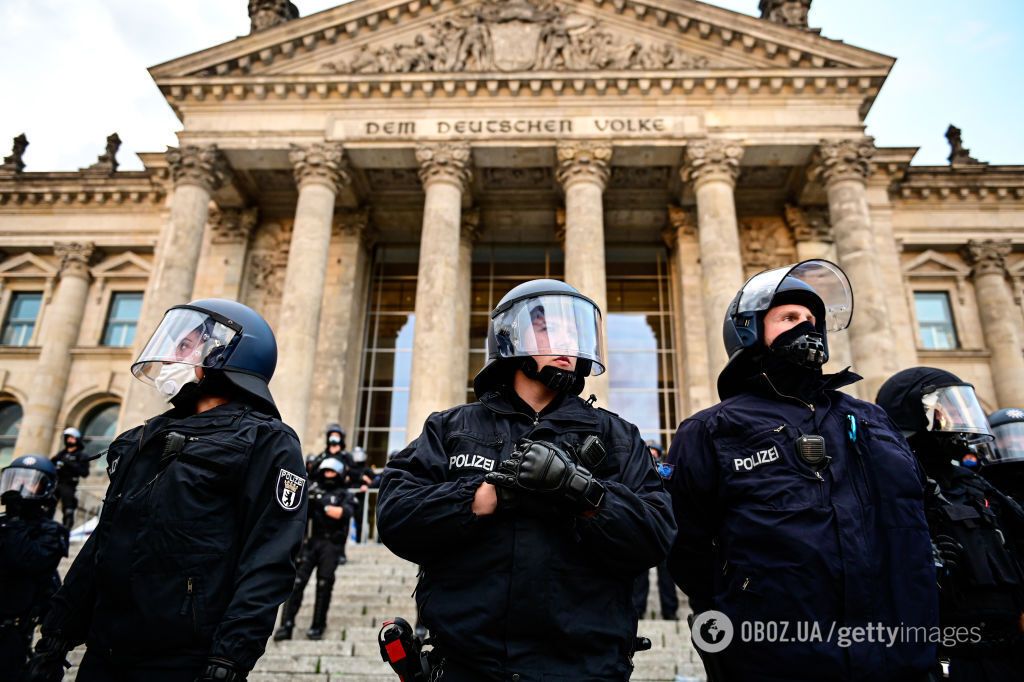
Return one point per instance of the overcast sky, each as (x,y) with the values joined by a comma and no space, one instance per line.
(74,71)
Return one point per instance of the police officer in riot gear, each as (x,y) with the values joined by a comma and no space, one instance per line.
(31,547)
(981,581)
(1003,460)
(195,548)
(782,513)
(334,447)
(72,464)
(667,597)
(330,511)
(360,476)
(529,511)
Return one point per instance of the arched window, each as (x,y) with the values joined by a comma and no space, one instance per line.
(10,422)
(98,429)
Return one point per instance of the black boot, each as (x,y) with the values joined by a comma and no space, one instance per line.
(288,611)
(284,632)
(323,602)
(69,518)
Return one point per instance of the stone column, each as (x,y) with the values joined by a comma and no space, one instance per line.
(843,167)
(998,311)
(813,236)
(692,351)
(470,233)
(223,257)
(336,380)
(583,171)
(888,249)
(57,337)
(196,172)
(445,170)
(320,173)
(713,167)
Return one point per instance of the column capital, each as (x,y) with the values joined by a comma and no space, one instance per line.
(712,160)
(354,224)
(987,256)
(445,162)
(681,222)
(470,225)
(837,160)
(320,162)
(205,166)
(808,225)
(74,258)
(232,225)
(584,160)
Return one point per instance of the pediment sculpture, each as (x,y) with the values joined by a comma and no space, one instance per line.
(517,35)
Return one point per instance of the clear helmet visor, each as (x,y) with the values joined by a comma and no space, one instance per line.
(551,325)
(955,409)
(1009,445)
(29,483)
(827,279)
(185,336)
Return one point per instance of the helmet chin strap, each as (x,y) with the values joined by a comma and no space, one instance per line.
(556,379)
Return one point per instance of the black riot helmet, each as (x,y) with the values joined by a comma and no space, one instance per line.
(934,408)
(543,317)
(31,479)
(1008,427)
(338,433)
(230,341)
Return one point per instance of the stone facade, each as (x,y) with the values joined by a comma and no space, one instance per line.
(448,129)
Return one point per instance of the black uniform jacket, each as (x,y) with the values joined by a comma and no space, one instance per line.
(538,597)
(71,466)
(195,549)
(31,547)
(322,496)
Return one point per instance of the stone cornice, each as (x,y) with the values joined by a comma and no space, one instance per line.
(949,184)
(204,166)
(74,258)
(584,161)
(987,257)
(839,160)
(445,162)
(712,160)
(79,189)
(320,162)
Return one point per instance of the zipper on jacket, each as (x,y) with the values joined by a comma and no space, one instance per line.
(187,604)
(821,487)
(809,406)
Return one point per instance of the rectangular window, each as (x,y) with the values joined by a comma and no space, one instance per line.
(122,318)
(21,318)
(935,320)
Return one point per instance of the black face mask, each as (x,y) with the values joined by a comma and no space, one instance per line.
(802,346)
(936,451)
(556,379)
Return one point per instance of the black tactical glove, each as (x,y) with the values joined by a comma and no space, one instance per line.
(220,670)
(48,662)
(544,469)
(949,552)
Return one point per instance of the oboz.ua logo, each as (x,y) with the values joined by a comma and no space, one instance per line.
(757,459)
(712,631)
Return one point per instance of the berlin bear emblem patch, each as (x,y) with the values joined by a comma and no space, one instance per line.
(289,490)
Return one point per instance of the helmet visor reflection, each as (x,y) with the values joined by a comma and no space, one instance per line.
(1009,442)
(551,325)
(827,279)
(186,336)
(30,483)
(955,409)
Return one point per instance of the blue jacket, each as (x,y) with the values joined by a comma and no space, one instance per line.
(763,537)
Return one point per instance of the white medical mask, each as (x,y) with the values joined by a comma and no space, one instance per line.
(173,377)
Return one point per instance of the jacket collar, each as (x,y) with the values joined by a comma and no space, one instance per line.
(564,408)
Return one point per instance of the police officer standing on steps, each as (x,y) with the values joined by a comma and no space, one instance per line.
(31,547)
(335,447)
(530,512)
(72,464)
(796,502)
(981,580)
(330,511)
(667,597)
(360,476)
(1003,460)
(204,516)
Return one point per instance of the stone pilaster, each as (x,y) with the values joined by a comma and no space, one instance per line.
(445,170)
(469,234)
(997,310)
(681,239)
(336,380)
(223,257)
(320,173)
(584,169)
(58,337)
(196,172)
(843,167)
(713,167)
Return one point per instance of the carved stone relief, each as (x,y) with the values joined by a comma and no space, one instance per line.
(766,243)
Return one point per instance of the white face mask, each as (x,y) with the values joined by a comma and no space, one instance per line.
(173,377)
